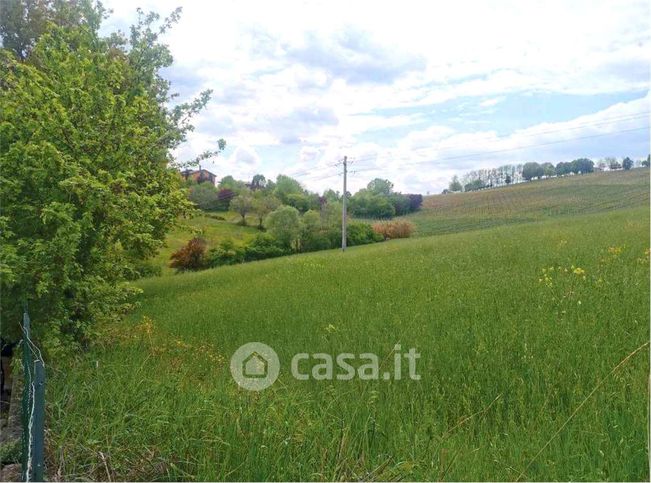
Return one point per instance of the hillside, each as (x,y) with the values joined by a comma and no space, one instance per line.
(213,227)
(517,326)
(534,201)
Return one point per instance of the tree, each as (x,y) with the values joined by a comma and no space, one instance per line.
(401,203)
(331,196)
(263,204)
(228,182)
(647,161)
(507,179)
(300,201)
(284,225)
(531,171)
(242,204)
(455,184)
(258,182)
(582,166)
(23,22)
(204,196)
(548,169)
(312,238)
(627,163)
(380,187)
(286,186)
(614,164)
(86,141)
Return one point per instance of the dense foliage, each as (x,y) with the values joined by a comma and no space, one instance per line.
(378,200)
(87,189)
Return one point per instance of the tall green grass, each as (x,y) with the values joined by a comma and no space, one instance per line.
(509,352)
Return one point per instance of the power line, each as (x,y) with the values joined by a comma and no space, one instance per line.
(580,126)
(509,149)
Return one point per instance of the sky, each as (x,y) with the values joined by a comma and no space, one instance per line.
(414,92)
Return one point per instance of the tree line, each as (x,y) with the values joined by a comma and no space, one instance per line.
(260,196)
(291,218)
(517,173)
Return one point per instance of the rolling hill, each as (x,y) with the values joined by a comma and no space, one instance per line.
(533,342)
(534,201)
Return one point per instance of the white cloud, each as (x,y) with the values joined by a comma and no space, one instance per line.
(318,77)
(491,102)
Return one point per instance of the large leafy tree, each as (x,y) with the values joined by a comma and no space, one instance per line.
(87,184)
(263,204)
(284,225)
(242,204)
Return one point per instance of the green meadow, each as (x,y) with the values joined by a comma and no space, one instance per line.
(534,201)
(533,340)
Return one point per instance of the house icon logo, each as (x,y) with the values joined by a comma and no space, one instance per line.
(255,366)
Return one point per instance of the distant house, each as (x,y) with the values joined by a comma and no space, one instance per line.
(199,175)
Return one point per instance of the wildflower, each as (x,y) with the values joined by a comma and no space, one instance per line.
(578,271)
(615,250)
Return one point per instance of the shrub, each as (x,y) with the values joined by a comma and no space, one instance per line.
(263,246)
(401,203)
(361,234)
(190,257)
(227,253)
(389,230)
(416,200)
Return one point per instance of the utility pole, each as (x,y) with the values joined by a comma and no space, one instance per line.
(343,210)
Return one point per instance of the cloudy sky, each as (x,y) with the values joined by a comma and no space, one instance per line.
(410,91)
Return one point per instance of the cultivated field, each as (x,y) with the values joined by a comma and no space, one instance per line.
(534,201)
(519,328)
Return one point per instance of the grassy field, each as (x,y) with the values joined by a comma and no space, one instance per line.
(535,201)
(518,326)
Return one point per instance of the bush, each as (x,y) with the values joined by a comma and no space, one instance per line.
(190,257)
(227,253)
(401,203)
(389,230)
(361,234)
(263,246)
(416,200)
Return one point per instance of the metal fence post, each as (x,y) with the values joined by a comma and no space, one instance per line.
(27,398)
(33,405)
(38,423)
